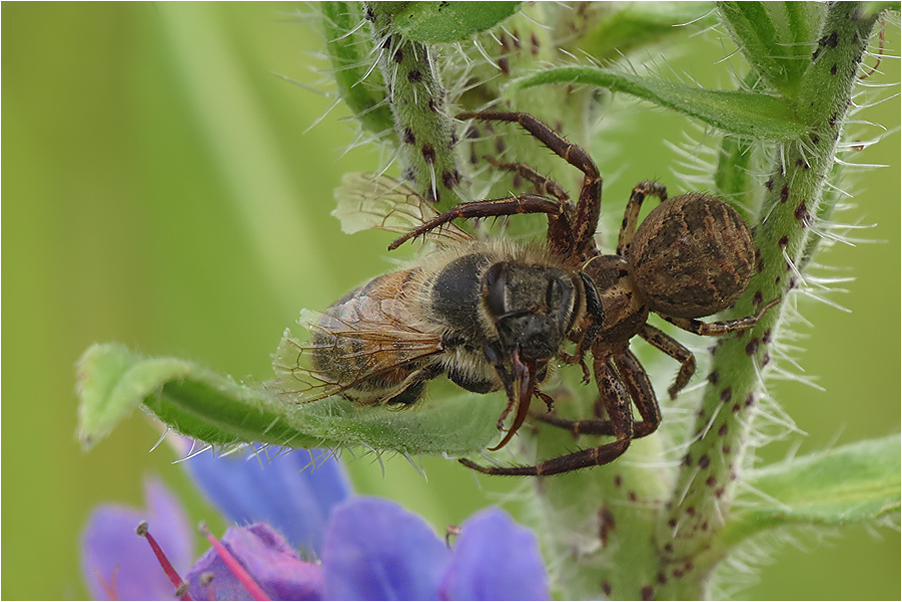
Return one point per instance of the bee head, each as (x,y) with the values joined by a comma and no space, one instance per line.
(532,306)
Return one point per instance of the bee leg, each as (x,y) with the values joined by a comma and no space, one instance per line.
(549,401)
(578,358)
(580,238)
(524,203)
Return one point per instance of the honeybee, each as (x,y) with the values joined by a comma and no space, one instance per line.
(492,315)
(488,315)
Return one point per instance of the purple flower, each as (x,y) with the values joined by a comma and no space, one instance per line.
(370,548)
(376,550)
(293,491)
(118,564)
(268,558)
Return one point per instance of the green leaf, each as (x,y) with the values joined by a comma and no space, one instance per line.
(433,22)
(197,402)
(749,114)
(855,482)
(776,38)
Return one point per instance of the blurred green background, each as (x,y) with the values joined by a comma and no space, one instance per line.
(160,190)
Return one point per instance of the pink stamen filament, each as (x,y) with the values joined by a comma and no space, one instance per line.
(170,571)
(232,563)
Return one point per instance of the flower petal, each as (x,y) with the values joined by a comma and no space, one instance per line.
(267,557)
(293,492)
(495,559)
(374,549)
(118,564)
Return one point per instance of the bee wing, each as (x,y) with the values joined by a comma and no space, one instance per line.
(340,356)
(367,201)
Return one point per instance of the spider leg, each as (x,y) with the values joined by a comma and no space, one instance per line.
(560,232)
(639,386)
(615,396)
(631,213)
(524,203)
(544,185)
(636,380)
(664,342)
(710,329)
(588,208)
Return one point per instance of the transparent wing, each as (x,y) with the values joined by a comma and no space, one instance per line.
(367,201)
(348,356)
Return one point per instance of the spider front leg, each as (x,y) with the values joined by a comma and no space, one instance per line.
(640,389)
(524,203)
(543,184)
(615,391)
(588,208)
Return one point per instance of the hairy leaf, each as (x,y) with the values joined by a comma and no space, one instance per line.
(748,114)
(432,22)
(855,482)
(195,401)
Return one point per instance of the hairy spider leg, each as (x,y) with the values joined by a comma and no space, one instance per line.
(524,203)
(543,184)
(713,329)
(636,380)
(667,344)
(560,234)
(615,391)
(631,213)
(588,208)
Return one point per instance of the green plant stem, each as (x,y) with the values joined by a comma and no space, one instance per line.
(417,99)
(712,467)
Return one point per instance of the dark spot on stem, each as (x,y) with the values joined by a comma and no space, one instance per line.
(450,178)
(752,347)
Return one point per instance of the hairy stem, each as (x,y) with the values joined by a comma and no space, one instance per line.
(712,467)
(417,99)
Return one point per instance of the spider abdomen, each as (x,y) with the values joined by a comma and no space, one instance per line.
(692,256)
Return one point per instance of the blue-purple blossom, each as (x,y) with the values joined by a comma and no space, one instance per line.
(293,492)
(269,559)
(117,564)
(370,548)
(377,550)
